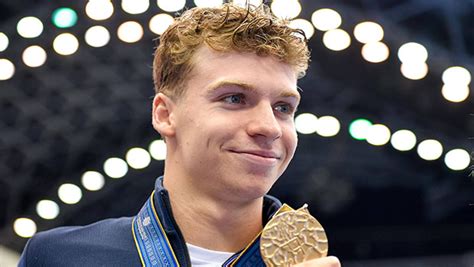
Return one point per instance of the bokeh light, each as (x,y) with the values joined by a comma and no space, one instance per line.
(7,69)
(130,32)
(243,3)
(430,149)
(69,193)
(99,9)
(160,22)
(65,44)
(24,227)
(138,158)
(457,159)
(414,71)
(304,25)
(455,93)
(456,75)
(29,27)
(403,140)
(412,53)
(3,42)
(97,36)
(92,180)
(64,17)
(368,32)
(378,135)
(336,39)
(286,9)
(375,52)
(328,126)
(326,19)
(358,128)
(171,6)
(306,123)
(135,6)
(115,167)
(47,209)
(208,3)
(157,149)
(34,56)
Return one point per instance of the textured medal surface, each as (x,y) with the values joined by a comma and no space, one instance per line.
(292,236)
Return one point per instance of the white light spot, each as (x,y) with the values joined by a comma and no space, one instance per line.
(115,167)
(326,19)
(243,3)
(70,193)
(414,71)
(158,149)
(328,126)
(456,76)
(412,53)
(24,227)
(375,52)
(171,6)
(99,9)
(29,27)
(368,32)
(47,209)
(97,36)
(138,158)
(456,93)
(306,123)
(286,9)
(7,69)
(208,3)
(130,32)
(378,135)
(403,140)
(65,44)
(159,23)
(34,56)
(430,149)
(92,180)
(3,42)
(457,159)
(336,39)
(135,6)
(304,25)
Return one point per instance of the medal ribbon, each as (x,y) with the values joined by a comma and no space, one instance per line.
(155,249)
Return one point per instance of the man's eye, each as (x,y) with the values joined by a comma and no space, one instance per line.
(234,99)
(284,108)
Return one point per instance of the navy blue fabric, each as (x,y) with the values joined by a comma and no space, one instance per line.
(110,242)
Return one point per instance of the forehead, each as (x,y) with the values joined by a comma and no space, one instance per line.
(210,67)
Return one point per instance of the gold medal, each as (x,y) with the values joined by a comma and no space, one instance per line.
(291,237)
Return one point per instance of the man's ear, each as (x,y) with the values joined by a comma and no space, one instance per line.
(162,115)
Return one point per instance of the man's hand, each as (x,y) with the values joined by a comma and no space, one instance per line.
(330,261)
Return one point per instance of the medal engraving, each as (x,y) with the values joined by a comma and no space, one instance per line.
(291,237)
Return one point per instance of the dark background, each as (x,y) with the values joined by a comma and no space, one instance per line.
(379,206)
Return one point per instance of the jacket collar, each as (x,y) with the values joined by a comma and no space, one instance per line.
(164,212)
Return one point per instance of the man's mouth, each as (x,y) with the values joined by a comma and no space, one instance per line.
(261,157)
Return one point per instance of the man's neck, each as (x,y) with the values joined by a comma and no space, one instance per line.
(212,223)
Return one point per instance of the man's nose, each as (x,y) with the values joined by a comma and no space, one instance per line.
(264,123)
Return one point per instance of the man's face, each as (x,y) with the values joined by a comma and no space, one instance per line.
(234,125)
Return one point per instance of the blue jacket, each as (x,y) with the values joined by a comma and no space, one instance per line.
(110,242)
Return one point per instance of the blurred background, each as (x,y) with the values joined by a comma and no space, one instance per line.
(384,125)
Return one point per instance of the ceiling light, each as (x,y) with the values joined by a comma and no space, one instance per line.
(326,19)
(336,40)
(368,32)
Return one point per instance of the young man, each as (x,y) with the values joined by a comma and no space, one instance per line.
(226,94)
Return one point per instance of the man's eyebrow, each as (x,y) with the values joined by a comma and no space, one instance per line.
(247,87)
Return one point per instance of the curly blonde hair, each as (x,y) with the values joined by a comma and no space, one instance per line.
(226,28)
